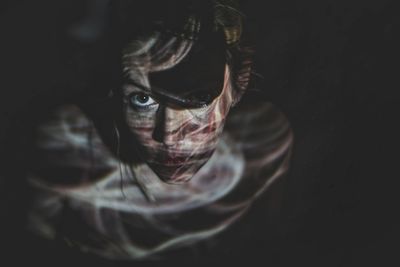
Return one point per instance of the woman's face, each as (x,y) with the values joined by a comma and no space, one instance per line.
(174,141)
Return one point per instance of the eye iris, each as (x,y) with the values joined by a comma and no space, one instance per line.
(142,98)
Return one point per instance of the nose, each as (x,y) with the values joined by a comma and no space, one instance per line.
(169,126)
(173,125)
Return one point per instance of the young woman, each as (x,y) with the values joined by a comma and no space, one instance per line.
(159,163)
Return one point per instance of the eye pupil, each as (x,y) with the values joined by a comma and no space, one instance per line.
(142,98)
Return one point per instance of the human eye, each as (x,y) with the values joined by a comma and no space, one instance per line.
(200,99)
(141,101)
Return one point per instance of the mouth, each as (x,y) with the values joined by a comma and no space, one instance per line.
(177,170)
(171,160)
(175,174)
(174,161)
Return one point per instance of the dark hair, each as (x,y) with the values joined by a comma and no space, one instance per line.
(205,25)
(164,28)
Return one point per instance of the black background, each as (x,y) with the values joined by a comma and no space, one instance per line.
(331,68)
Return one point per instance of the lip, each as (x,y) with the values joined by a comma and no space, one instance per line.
(174,168)
(173,161)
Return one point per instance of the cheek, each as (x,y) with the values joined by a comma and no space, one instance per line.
(140,124)
(220,111)
(206,126)
(209,128)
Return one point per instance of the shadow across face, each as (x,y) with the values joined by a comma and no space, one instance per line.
(174,141)
(175,106)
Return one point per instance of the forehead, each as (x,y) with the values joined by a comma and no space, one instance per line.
(203,65)
(180,67)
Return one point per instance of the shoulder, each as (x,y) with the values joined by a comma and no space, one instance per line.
(263,134)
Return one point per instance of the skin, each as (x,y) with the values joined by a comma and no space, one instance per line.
(175,142)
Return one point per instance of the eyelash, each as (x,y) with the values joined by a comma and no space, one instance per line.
(137,105)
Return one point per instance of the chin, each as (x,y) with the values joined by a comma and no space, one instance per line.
(177,174)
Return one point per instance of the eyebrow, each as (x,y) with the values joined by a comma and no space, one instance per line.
(138,85)
(162,93)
